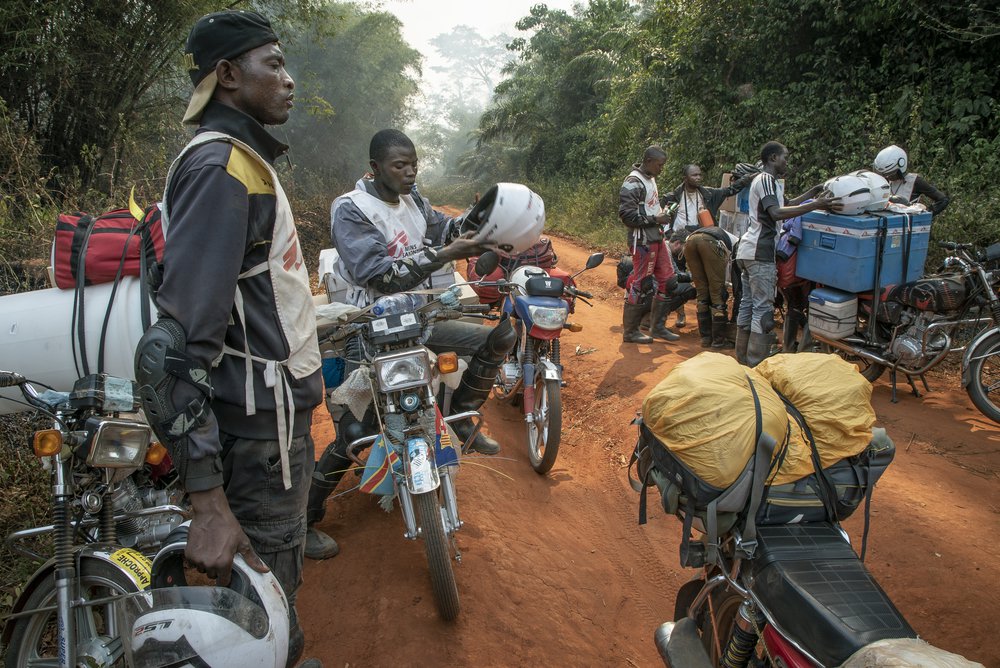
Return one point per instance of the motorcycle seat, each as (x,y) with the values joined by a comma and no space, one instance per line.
(817,592)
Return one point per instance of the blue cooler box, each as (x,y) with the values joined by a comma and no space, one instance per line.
(841,251)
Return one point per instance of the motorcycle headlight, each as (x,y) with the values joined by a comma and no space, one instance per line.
(117,443)
(547,317)
(401,371)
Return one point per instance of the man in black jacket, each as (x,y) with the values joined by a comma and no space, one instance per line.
(236,288)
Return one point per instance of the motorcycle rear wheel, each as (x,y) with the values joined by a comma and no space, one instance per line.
(870,370)
(545,432)
(984,375)
(725,604)
(438,554)
(33,640)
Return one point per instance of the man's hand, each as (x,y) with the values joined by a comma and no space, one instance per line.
(464,247)
(215,536)
(662,218)
(825,200)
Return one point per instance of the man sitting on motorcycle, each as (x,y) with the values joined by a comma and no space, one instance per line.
(390,240)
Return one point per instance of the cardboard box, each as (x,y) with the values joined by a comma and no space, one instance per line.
(843,251)
(729,204)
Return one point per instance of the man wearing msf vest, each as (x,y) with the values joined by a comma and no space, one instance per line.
(236,303)
(390,240)
(653,270)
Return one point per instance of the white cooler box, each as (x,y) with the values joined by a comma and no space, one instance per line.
(833,314)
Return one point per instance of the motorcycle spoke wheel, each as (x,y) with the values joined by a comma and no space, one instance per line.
(870,370)
(716,622)
(34,641)
(545,431)
(984,377)
(438,554)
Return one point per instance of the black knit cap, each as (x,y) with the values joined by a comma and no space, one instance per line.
(224,35)
(220,36)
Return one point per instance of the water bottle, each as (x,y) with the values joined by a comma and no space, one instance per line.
(393,305)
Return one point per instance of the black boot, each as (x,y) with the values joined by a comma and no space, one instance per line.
(758,348)
(790,332)
(477,382)
(742,342)
(658,321)
(720,325)
(631,317)
(705,328)
(681,321)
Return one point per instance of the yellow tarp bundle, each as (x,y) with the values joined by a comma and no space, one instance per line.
(703,411)
(835,401)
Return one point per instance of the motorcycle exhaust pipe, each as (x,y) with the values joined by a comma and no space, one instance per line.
(846,346)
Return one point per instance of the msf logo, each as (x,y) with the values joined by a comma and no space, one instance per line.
(396,246)
(291,255)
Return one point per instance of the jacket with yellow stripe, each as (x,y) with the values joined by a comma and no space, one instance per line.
(222,214)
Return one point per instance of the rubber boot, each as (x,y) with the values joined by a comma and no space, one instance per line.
(658,321)
(742,342)
(631,316)
(477,383)
(705,328)
(790,331)
(758,348)
(681,321)
(720,326)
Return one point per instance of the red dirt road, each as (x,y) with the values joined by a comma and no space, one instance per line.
(556,571)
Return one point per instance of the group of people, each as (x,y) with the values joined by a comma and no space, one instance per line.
(236,310)
(682,228)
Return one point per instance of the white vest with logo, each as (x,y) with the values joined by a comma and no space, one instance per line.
(651,205)
(904,187)
(292,300)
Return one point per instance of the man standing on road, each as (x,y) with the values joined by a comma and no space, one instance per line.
(652,270)
(390,240)
(755,254)
(236,313)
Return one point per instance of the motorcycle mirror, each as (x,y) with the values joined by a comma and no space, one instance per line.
(487,263)
(595,260)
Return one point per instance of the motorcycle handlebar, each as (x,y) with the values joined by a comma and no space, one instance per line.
(952,246)
(11,379)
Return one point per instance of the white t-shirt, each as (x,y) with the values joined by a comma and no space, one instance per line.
(762,234)
(687,210)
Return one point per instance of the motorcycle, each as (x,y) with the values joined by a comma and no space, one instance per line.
(788,596)
(539,302)
(113,502)
(415,453)
(916,325)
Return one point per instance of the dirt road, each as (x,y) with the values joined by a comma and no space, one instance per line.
(556,571)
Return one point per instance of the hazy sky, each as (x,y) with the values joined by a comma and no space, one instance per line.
(425,19)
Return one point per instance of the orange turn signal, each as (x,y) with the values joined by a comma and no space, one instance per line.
(447,362)
(574,327)
(155,453)
(47,442)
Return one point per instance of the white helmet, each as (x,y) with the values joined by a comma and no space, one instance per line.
(241,626)
(521,275)
(853,191)
(509,215)
(877,186)
(889,160)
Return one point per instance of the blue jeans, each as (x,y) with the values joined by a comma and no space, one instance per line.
(759,281)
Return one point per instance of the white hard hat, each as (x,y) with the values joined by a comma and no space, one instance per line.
(853,191)
(877,186)
(889,160)
(509,215)
(244,625)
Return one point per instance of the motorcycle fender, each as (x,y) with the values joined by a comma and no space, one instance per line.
(132,563)
(970,352)
(549,370)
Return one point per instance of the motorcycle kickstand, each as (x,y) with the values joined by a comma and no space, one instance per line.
(913,385)
(923,379)
(892,382)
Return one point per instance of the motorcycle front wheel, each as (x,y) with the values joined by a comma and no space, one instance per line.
(545,430)
(717,621)
(34,641)
(870,370)
(438,554)
(984,376)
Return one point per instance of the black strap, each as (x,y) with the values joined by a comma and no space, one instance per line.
(763,450)
(78,298)
(825,489)
(869,488)
(907,237)
(111,300)
(880,238)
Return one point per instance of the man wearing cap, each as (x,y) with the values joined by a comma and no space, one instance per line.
(234,280)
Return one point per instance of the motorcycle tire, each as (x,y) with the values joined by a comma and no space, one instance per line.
(716,622)
(870,370)
(545,431)
(438,554)
(984,375)
(33,640)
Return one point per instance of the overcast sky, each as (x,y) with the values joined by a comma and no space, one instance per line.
(425,19)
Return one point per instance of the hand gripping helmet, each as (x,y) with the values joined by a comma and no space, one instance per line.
(853,191)
(889,160)
(509,215)
(241,626)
